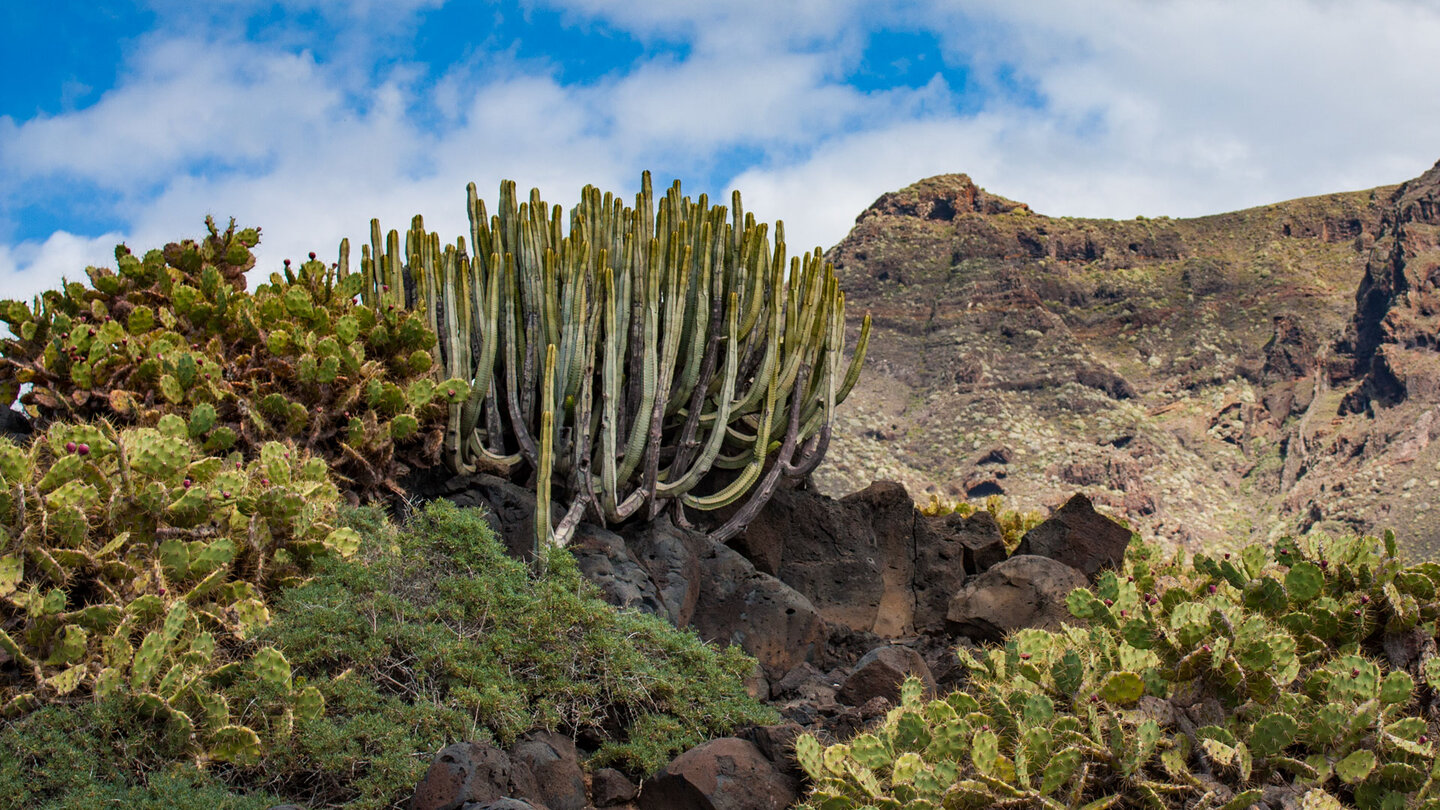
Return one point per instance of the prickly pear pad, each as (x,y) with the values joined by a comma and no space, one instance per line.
(132,563)
(175,333)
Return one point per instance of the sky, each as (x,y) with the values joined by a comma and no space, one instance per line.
(131,120)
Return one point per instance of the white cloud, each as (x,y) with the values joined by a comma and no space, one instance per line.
(1156,108)
(30,268)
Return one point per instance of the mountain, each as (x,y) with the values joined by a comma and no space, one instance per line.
(1214,380)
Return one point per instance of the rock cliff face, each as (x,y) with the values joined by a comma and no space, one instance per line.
(1215,380)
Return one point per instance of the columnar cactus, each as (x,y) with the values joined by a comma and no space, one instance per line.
(690,368)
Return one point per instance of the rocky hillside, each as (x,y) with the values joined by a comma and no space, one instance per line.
(1211,379)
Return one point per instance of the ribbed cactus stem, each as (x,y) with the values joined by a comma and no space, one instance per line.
(543,532)
(688,366)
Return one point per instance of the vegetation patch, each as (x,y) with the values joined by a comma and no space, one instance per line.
(428,635)
(1309,670)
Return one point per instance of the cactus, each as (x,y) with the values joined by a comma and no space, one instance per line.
(689,372)
(176,550)
(176,334)
(1297,693)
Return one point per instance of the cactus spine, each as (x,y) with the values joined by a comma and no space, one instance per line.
(690,370)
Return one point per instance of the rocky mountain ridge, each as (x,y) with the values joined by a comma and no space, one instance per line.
(1213,380)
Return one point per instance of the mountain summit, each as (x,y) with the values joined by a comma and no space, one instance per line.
(1233,376)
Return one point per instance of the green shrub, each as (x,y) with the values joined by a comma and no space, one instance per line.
(1189,686)
(441,615)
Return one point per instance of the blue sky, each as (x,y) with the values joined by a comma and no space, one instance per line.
(130,120)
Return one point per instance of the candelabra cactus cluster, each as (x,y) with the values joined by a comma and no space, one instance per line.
(1198,686)
(175,332)
(645,357)
(133,562)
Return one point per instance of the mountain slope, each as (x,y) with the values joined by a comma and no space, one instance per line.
(1209,378)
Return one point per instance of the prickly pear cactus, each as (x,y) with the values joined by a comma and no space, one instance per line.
(132,562)
(175,332)
(1312,667)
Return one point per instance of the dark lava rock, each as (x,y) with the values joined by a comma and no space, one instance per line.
(881,671)
(1078,536)
(554,762)
(724,774)
(1023,591)
(471,772)
(609,787)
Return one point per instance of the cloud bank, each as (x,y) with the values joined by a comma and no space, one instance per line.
(310,122)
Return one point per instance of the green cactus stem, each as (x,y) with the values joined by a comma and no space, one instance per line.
(694,367)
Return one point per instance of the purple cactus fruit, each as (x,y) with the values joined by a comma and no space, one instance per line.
(1424,739)
(1024,656)
(186,483)
(161,591)
(287,262)
(1227,555)
(1109,602)
(264,482)
(225,493)
(1357,611)
(384,288)
(69,447)
(1094,698)
(237,465)
(1364,598)
(985,727)
(1205,648)
(1211,588)
(1354,672)
(312,255)
(1130,579)
(83,449)
(1124,614)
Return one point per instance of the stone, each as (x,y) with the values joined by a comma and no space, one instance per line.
(880,672)
(875,707)
(471,772)
(604,560)
(724,774)
(554,762)
(777,744)
(1024,591)
(948,548)
(852,558)
(505,803)
(609,787)
(1078,536)
(671,557)
(805,682)
(754,611)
